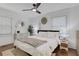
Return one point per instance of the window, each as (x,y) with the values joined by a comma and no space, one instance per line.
(5,25)
(59,22)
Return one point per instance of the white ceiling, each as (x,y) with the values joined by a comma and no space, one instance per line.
(44,7)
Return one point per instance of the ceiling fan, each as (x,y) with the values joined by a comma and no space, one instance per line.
(35,6)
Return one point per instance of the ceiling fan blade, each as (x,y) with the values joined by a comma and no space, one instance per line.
(38,12)
(26,9)
(38,4)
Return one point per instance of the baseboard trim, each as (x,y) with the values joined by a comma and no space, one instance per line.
(6,45)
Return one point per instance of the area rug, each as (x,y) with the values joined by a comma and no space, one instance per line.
(17,52)
(14,52)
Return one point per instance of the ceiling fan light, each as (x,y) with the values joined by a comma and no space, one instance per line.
(34,10)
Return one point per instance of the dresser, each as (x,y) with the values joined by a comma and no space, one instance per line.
(77,42)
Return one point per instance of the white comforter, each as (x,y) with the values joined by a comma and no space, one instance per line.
(45,49)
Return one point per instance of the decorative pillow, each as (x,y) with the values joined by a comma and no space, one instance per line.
(22,35)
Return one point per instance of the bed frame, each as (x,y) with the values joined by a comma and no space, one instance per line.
(43,31)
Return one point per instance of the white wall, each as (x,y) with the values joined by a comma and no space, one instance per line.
(7,39)
(4,39)
(22,18)
(72,22)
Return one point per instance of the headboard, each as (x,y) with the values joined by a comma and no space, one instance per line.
(48,31)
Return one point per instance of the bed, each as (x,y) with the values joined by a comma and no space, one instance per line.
(39,45)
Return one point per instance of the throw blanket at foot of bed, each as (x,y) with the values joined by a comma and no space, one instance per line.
(34,42)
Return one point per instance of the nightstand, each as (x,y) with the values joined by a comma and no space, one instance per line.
(63,49)
(64,44)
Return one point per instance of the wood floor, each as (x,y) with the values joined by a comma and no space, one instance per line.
(5,47)
(71,52)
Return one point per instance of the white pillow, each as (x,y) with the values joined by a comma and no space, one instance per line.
(43,34)
(52,35)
